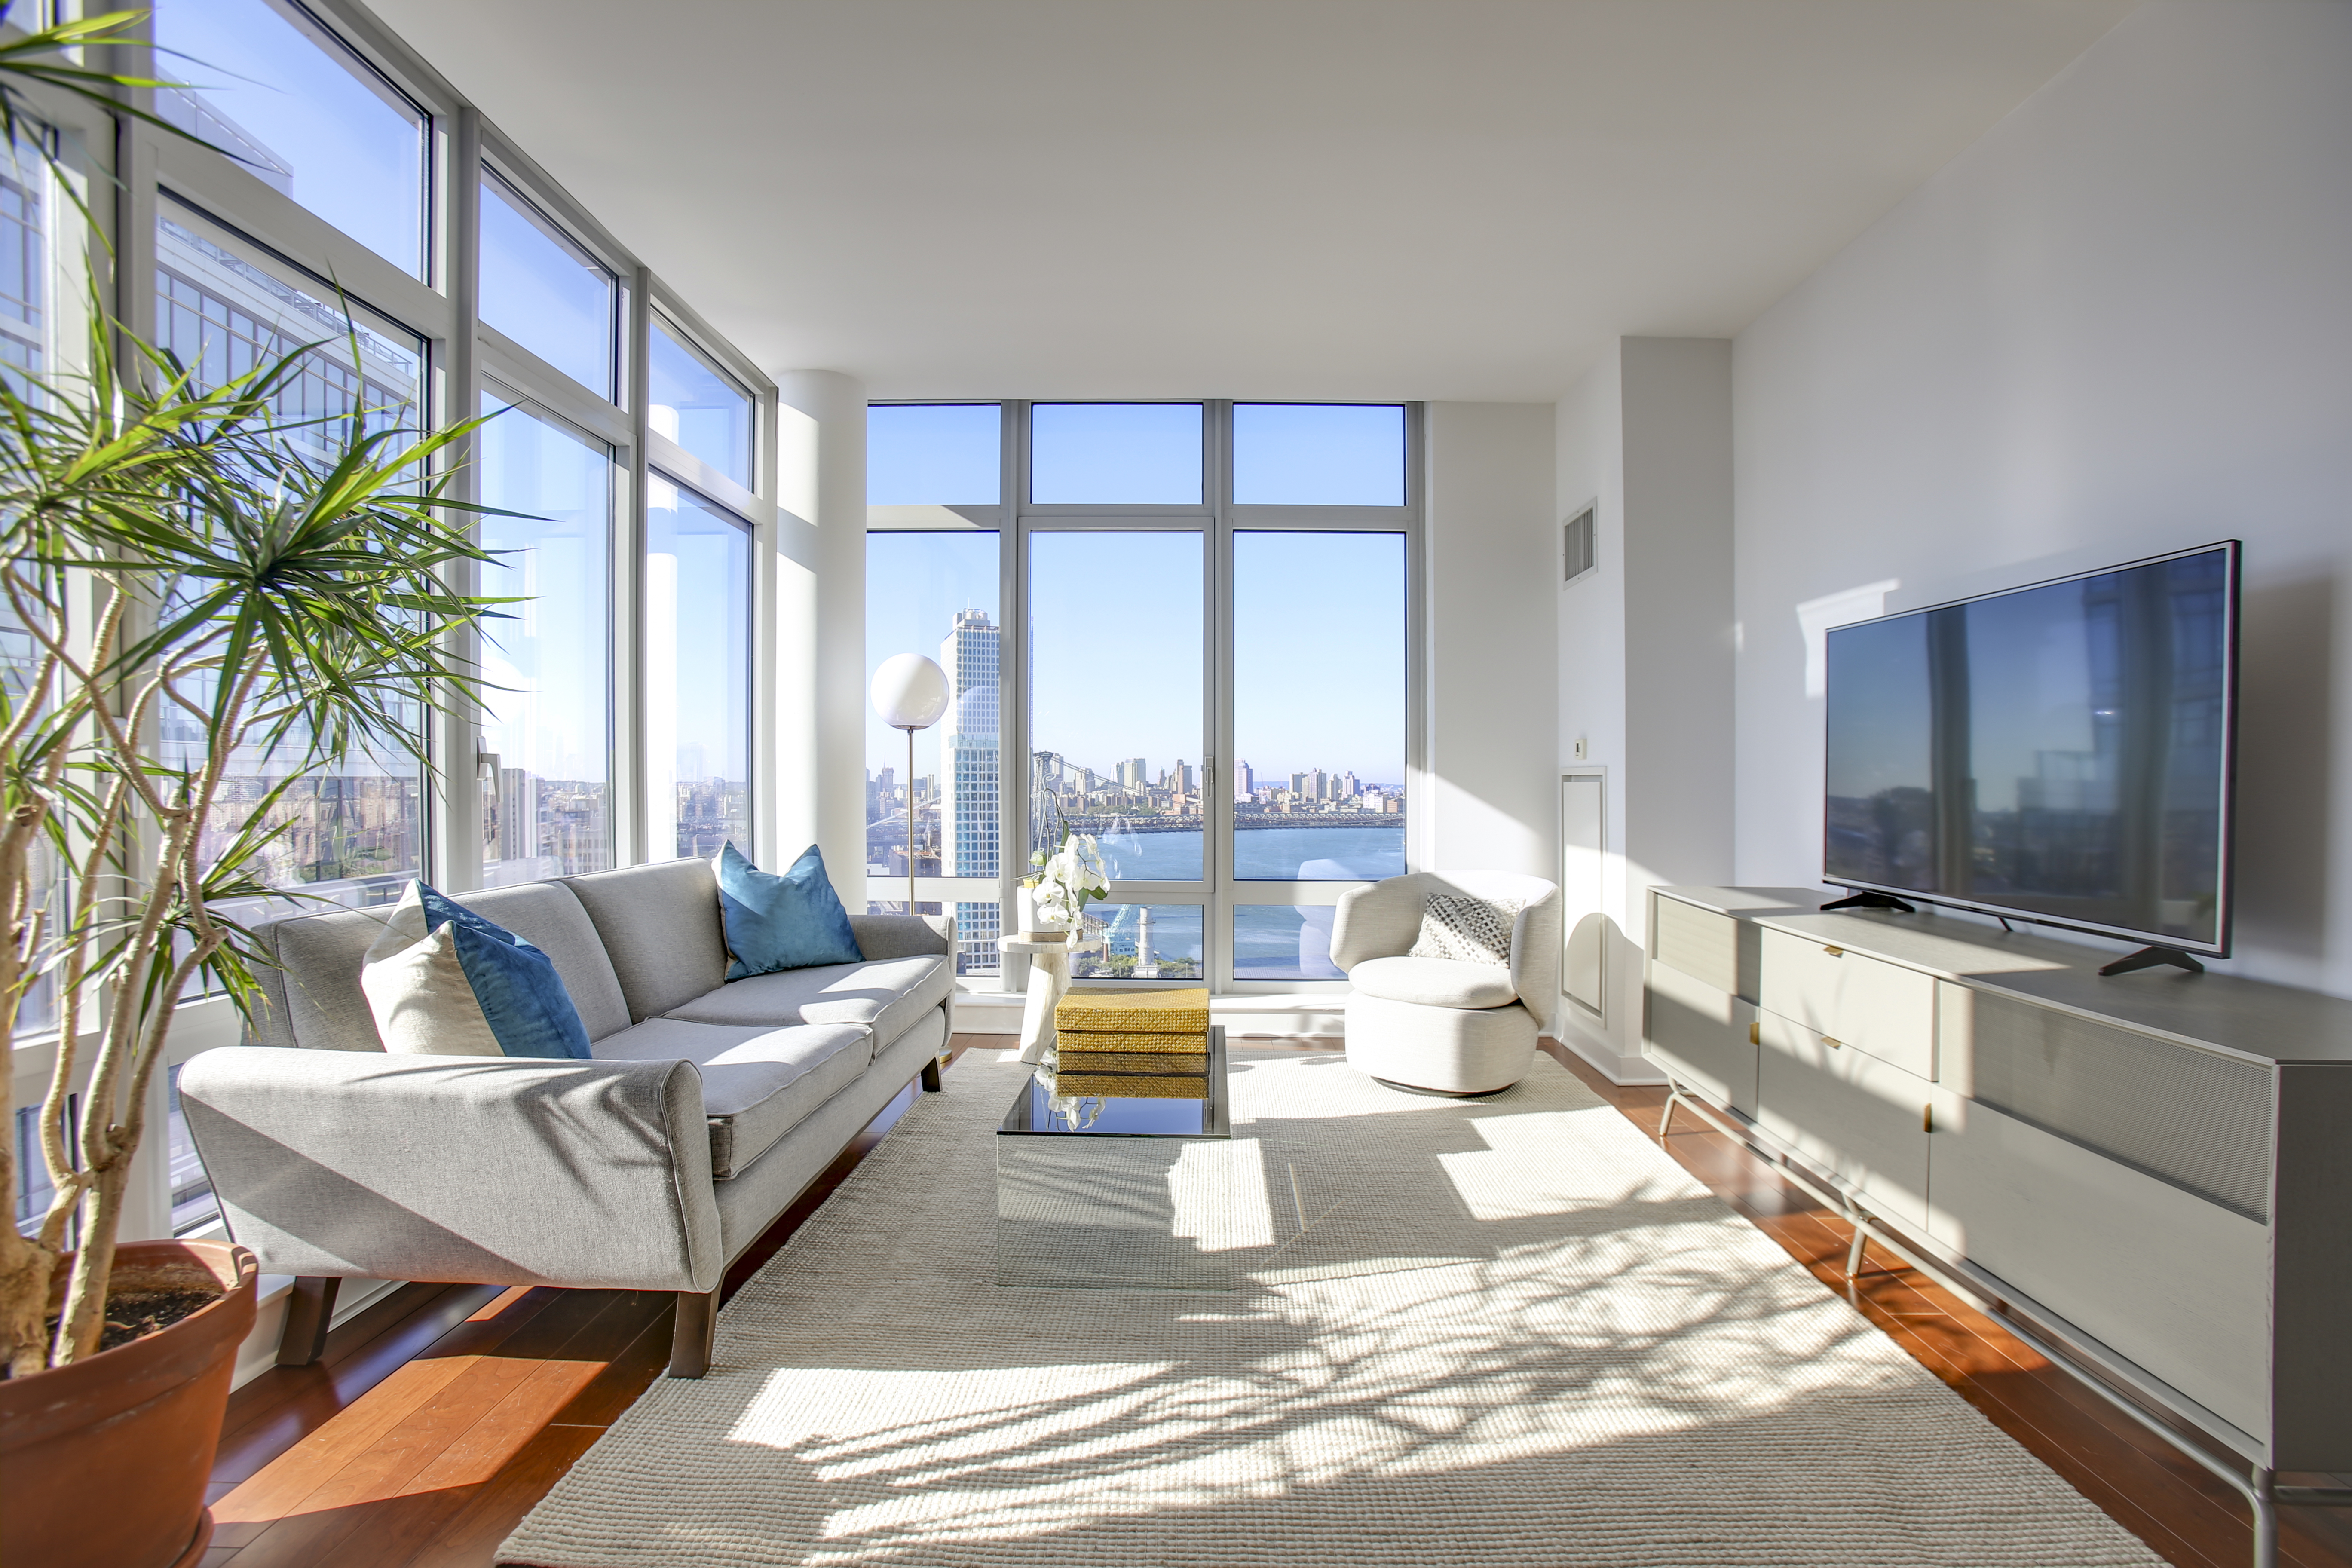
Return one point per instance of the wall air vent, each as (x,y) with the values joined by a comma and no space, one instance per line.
(1580,545)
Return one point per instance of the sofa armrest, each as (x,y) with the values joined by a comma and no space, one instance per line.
(904,936)
(1378,921)
(485,1170)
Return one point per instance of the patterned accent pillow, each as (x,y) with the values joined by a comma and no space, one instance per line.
(1466,929)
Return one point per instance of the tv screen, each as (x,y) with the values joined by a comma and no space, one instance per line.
(2059,752)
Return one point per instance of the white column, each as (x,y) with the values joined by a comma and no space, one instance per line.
(819,759)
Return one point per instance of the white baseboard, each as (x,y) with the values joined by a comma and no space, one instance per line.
(1625,1072)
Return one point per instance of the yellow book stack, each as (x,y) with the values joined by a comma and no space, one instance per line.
(1141,1044)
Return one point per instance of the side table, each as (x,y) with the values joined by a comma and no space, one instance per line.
(1048,967)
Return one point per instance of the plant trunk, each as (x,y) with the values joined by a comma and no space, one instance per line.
(83,1321)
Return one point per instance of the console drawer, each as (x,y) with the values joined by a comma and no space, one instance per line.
(1701,1034)
(2179,1284)
(1876,1008)
(1850,1114)
(1694,941)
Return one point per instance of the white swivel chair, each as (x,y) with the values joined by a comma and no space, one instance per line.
(1441,1024)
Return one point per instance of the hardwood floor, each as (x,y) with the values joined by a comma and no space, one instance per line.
(442,1413)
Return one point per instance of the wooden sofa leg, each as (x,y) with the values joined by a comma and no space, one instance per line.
(694,1333)
(931,1076)
(310,1312)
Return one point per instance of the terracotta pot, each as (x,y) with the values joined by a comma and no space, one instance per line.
(104,1463)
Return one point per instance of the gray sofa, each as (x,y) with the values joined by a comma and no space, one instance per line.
(709,1107)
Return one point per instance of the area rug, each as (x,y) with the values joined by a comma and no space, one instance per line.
(1496,1332)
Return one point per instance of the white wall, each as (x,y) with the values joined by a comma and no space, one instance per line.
(820,753)
(2120,323)
(1486,802)
(1645,643)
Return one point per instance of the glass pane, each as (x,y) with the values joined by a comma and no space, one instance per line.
(544,813)
(1274,941)
(1139,941)
(1317,454)
(192,1204)
(359,833)
(1319,706)
(34,1191)
(1115,698)
(698,676)
(933,454)
(544,292)
(223,311)
(695,404)
(273,89)
(24,260)
(1115,453)
(935,594)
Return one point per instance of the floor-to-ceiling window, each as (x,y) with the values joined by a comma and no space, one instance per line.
(547,734)
(1211,668)
(931,587)
(698,726)
(364,207)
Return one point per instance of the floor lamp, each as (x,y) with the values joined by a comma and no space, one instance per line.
(910,692)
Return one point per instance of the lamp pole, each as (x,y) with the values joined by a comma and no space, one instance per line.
(910,693)
(911,817)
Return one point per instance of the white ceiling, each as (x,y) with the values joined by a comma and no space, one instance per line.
(1263,198)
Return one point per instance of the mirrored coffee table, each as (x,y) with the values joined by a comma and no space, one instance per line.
(1116,1193)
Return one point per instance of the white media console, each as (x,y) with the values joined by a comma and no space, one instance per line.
(2150,1173)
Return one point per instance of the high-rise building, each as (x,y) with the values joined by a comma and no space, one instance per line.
(1245,781)
(971,771)
(1130,775)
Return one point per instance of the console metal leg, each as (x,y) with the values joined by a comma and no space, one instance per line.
(1674,1093)
(2265,1506)
(1854,1253)
(310,1313)
(694,1333)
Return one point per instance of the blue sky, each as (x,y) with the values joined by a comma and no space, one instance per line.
(1318,618)
(357,154)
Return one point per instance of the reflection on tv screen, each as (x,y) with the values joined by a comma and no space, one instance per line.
(2059,751)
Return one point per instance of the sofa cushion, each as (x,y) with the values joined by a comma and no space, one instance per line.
(758,1083)
(314,990)
(1433,982)
(887,996)
(660,926)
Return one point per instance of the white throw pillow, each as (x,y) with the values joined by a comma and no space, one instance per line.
(1466,929)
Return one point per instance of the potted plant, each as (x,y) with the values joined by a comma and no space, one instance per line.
(278,586)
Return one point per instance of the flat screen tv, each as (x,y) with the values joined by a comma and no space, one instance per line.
(2059,753)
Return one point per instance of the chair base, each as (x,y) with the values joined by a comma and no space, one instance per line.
(1444,1050)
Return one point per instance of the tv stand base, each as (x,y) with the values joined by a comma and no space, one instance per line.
(2152,958)
(1871,901)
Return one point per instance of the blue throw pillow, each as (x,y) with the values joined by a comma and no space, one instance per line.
(443,981)
(782,922)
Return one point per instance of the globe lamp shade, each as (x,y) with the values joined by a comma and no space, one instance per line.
(910,692)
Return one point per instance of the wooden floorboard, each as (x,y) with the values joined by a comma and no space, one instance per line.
(441,1414)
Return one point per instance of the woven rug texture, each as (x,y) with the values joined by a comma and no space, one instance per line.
(1496,1332)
